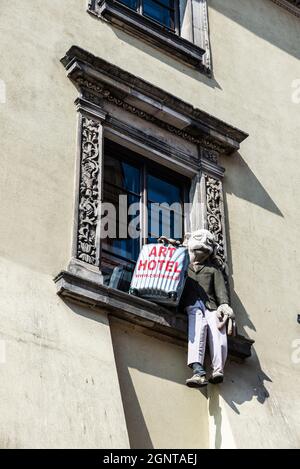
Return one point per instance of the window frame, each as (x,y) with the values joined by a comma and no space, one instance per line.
(140,10)
(146,166)
(191,47)
(192,141)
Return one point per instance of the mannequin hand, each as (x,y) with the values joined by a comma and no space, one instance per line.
(231,327)
(225,310)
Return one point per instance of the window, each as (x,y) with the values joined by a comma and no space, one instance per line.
(178,27)
(168,221)
(164,12)
(131,179)
(87,279)
(122,185)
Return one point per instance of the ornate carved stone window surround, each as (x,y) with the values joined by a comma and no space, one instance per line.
(189,40)
(115,105)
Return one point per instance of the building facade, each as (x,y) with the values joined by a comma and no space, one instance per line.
(193,102)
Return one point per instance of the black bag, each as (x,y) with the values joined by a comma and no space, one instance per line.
(121,277)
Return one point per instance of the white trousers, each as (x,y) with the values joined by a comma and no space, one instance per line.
(202,324)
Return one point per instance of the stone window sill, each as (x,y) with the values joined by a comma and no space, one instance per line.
(151,32)
(136,310)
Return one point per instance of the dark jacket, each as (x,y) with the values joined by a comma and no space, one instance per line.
(205,282)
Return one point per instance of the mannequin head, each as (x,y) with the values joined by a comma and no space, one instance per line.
(201,245)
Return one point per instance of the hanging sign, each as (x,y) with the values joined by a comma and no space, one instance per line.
(160,273)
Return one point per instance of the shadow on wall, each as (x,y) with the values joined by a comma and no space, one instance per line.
(129,399)
(242,183)
(243,381)
(163,57)
(158,408)
(261,18)
(140,439)
(150,370)
(256,16)
(238,172)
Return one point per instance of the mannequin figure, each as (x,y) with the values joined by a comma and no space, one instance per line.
(206,302)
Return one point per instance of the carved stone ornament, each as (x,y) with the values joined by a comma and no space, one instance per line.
(107,95)
(88,191)
(211,155)
(105,84)
(214,208)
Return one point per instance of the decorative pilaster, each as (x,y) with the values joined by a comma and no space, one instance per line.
(215,214)
(201,31)
(88,192)
(212,206)
(86,238)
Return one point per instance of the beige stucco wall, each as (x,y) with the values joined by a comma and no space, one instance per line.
(51,350)
(161,412)
(59,385)
(262,185)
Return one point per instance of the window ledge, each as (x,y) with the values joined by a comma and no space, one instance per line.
(149,31)
(135,310)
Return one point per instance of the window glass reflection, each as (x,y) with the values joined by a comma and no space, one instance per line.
(122,186)
(159,11)
(130,3)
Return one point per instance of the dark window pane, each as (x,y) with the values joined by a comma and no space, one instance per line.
(159,222)
(122,186)
(129,3)
(164,222)
(121,174)
(161,191)
(166,219)
(126,248)
(167,3)
(127,226)
(159,13)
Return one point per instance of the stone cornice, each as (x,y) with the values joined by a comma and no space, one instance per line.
(136,310)
(100,81)
(293,6)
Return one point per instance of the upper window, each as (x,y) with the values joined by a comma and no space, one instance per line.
(178,27)
(164,12)
(148,203)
